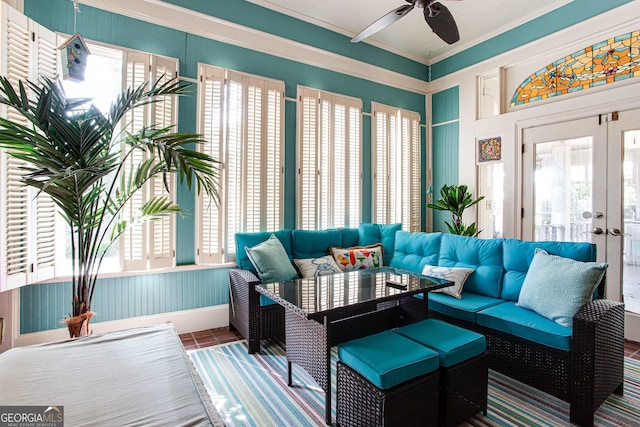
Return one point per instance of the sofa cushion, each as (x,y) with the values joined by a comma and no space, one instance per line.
(271,261)
(457,275)
(251,239)
(314,243)
(370,234)
(508,317)
(518,256)
(312,267)
(358,257)
(350,237)
(387,359)
(415,250)
(557,287)
(483,255)
(453,343)
(464,308)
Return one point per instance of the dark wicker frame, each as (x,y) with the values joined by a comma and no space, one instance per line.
(360,403)
(584,377)
(463,390)
(247,316)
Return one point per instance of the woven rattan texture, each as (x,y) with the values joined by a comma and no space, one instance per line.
(584,376)
(463,390)
(247,316)
(360,403)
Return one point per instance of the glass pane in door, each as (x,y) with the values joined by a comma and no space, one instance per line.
(563,190)
(631,212)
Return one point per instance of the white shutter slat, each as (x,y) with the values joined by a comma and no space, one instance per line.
(329,147)
(133,243)
(396,166)
(211,97)
(163,114)
(46,65)
(15,232)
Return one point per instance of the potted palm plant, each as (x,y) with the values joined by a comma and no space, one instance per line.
(455,199)
(82,160)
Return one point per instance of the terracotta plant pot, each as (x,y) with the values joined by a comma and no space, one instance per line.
(79,325)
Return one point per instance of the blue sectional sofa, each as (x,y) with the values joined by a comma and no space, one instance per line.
(257,317)
(581,364)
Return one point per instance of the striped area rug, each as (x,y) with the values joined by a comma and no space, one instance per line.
(251,390)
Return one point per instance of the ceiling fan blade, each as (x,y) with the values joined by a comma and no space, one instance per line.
(441,22)
(383,22)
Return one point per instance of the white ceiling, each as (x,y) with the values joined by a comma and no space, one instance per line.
(477,20)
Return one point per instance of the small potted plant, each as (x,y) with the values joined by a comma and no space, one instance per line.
(455,199)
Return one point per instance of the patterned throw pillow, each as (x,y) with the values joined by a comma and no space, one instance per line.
(358,257)
(557,287)
(312,267)
(457,275)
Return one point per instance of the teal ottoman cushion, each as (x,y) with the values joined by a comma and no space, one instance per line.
(453,343)
(387,359)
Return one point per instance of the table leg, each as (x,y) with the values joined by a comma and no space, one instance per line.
(327,398)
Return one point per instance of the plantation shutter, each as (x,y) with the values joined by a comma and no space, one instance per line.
(46,58)
(163,113)
(308,164)
(396,166)
(254,156)
(27,223)
(411,203)
(133,244)
(241,118)
(210,125)
(329,161)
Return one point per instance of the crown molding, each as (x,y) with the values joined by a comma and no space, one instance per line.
(192,22)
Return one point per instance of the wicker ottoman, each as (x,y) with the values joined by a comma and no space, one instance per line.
(464,371)
(386,381)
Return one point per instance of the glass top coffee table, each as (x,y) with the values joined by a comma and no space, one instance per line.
(324,311)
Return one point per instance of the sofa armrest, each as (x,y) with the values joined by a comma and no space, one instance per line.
(244,306)
(597,357)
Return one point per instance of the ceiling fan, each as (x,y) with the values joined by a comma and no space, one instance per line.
(435,13)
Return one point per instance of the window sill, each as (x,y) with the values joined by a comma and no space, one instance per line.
(176,269)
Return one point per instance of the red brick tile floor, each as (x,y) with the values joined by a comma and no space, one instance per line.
(211,337)
(208,338)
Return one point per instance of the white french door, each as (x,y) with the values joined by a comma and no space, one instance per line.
(581,182)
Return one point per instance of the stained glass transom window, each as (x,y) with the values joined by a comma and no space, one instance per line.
(606,62)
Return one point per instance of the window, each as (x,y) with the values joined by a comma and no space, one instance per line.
(396,166)
(241,118)
(329,160)
(151,244)
(28,229)
(33,242)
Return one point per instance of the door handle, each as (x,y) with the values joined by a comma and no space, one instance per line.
(596,230)
(617,232)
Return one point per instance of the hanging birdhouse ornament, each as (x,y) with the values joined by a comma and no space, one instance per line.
(74,58)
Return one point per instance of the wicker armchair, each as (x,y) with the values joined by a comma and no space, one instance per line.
(247,316)
(584,376)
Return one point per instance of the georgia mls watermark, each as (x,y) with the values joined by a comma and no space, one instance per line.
(31,416)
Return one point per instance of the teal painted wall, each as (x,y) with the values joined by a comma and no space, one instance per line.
(445,131)
(251,15)
(43,306)
(563,17)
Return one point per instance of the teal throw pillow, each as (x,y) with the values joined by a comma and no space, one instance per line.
(271,261)
(557,287)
